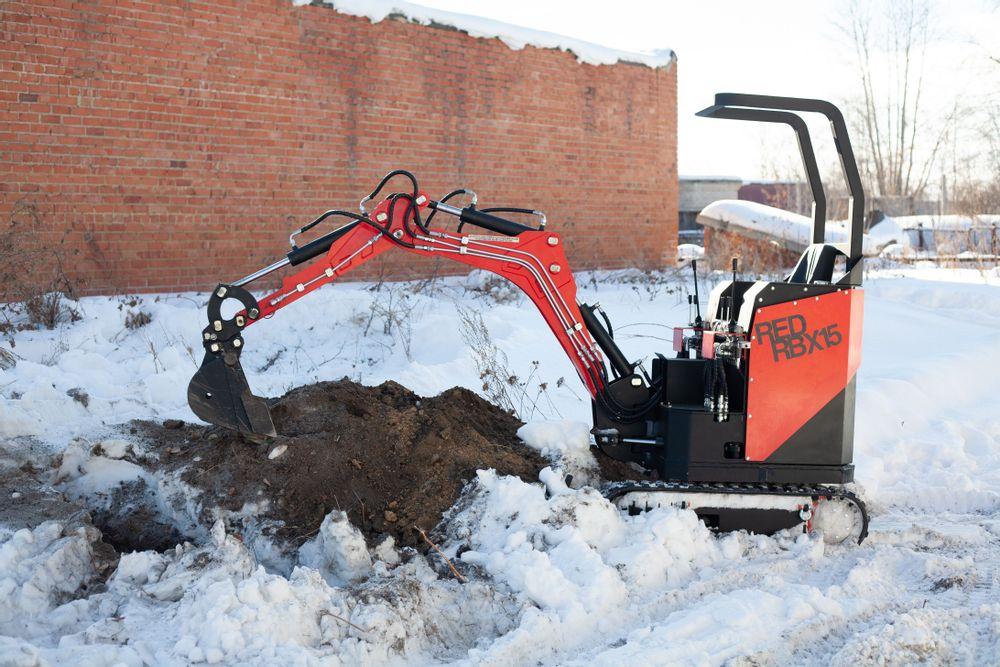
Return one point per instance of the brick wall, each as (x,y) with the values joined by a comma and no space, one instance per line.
(170,145)
(758,257)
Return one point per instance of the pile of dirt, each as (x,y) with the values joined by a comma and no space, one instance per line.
(389,458)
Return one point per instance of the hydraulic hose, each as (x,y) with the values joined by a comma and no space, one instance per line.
(618,361)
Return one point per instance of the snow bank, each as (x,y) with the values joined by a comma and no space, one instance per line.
(86,472)
(575,558)
(920,415)
(564,442)
(40,569)
(516,37)
(338,551)
(690,251)
(126,375)
(213,604)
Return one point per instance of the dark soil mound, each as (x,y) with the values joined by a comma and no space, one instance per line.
(389,458)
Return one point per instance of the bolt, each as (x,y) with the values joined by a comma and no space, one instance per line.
(398,233)
(217,325)
(636,382)
(553,240)
(240,321)
(254,313)
(421,199)
(382,217)
(555,268)
(215,347)
(221,292)
(208,336)
(237,342)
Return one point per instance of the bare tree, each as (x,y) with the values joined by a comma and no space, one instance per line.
(991,129)
(899,142)
(977,185)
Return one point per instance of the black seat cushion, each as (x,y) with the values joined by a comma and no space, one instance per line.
(816,264)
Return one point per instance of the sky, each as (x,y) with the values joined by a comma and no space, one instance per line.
(780,47)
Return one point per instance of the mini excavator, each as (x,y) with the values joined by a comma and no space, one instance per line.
(749,420)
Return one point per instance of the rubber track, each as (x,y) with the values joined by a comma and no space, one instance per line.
(615,490)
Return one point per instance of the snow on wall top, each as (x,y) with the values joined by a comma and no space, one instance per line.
(791,228)
(516,37)
(773,222)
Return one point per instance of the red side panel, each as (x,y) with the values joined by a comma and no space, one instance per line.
(802,354)
(678,339)
(708,344)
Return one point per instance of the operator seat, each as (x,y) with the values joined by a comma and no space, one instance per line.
(816,264)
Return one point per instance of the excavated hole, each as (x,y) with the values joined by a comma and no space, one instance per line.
(133,522)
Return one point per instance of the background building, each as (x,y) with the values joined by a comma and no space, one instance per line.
(791,196)
(697,192)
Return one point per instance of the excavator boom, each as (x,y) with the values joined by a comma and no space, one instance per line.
(533,259)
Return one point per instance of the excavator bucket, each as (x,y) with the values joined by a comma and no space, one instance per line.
(218,392)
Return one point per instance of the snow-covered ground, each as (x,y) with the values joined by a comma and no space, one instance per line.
(554,577)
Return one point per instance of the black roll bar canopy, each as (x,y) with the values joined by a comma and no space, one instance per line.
(773,109)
